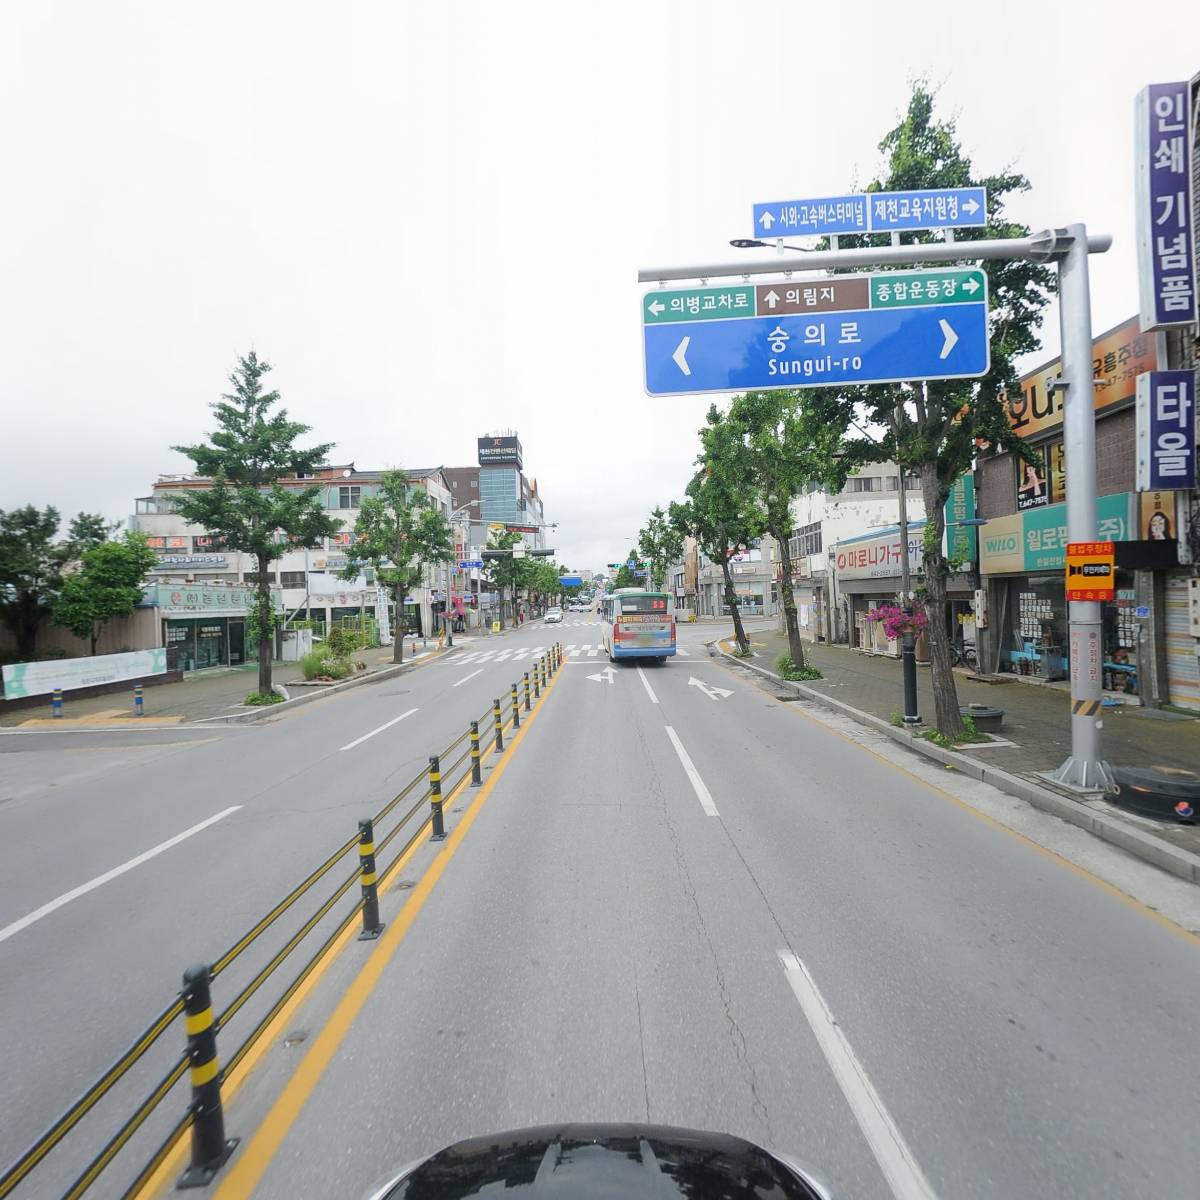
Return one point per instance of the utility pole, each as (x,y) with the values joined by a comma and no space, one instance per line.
(908,642)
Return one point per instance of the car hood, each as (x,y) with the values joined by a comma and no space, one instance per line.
(599,1161)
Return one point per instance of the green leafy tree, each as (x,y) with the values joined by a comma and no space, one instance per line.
(509,574)
(720,510)
(934,431)
(625,576)
(660,544)
(400,532)
(31,563)
(87,530)
(248,456)
(108,583)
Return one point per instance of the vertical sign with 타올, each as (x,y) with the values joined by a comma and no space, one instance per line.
(1166,431)
(1166,237)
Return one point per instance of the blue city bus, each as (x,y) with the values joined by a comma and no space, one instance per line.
(638,624)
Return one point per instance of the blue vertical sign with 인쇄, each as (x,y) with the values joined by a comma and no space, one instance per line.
(1166,431)
(1166,236)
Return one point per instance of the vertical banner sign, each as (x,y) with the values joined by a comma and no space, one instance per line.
(1166,264)
(962,541)
(1166,431)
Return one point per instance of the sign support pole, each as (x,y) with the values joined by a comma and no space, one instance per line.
(1086,768)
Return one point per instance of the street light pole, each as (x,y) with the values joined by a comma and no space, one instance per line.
(908,645)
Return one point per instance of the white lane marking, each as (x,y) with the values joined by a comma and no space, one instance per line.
(502,655)
(385,725)
(92,884)
(646,685)
(485,656)
(466,677)
(702,793)
(519,654)
(593,653)
(585,646)
(570,649)
(895,1159)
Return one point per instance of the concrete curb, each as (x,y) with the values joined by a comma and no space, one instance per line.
(270,710)
(1081,813)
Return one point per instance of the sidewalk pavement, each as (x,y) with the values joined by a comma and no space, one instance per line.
(1037,719)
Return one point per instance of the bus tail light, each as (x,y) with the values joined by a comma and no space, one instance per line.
(617,632)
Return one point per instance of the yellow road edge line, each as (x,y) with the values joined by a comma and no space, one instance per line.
(250,1166)
(172,1164)
(1053,855)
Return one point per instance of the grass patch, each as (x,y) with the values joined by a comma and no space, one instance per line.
(970,735)
(788,670)
(896,719)
(258,699)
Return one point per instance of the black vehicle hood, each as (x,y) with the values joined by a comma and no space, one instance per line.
(598,1161)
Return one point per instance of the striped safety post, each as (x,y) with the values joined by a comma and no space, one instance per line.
(526,691)
(210,1147)
(498,722)
(537,687)
(372,925)
(137,700)
(516,706)
(56,702)
(476,774)
(542,668)
(435,799)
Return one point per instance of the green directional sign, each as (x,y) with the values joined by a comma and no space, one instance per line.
(697,304)
(908,289)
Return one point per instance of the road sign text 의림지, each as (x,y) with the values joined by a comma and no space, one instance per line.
(873,212)
(906,325)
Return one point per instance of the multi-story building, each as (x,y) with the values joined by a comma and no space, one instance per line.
(752,572)
(870,501)
(193,562)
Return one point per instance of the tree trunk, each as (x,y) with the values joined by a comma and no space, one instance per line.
(937,570)
(731,599)
(23,620)
(788,599)
(264,627)
(398,636)
(94,638)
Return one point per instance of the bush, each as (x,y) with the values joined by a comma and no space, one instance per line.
(788,669)
(342,642)
(313,663)
(257,699)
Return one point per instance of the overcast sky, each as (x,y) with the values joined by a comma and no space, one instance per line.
(429,216)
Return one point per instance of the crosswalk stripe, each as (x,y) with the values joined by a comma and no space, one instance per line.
(519,654)
(503,655)
(593,653)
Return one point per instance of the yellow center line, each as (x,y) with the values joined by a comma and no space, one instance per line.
(1081,872)
(172,1164)
(252,1164)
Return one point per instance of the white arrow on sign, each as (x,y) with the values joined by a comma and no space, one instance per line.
(950,336)
(972,286)
(710,690)
(680,356)
(971,206)
(605,676)
(772,298)
(766,220)
(655,307)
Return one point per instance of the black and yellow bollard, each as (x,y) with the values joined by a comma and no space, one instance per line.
(372,925)
(498,722)
(210,1147)
(435,799)
(516,707)
(526,691)
(537,688)
(476,774)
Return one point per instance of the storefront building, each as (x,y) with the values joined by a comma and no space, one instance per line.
(867,572)
(206,623)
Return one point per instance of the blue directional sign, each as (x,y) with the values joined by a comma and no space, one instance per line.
(890,327)
(873,212)
(795,218)
(471,564)
(931,208)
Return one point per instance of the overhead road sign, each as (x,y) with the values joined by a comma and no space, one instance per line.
(473,564)
(889,327)
(873,212)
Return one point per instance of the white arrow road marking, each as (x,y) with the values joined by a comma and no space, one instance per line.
(972,286)
(680,356)
(971,206)
(710,689)
(702,793)
(605,676)
(92,884)
(950,336)
(772,298)
(895,1159)
(655,307)
(766,220)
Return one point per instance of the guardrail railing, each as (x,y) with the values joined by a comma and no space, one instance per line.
(204,1114)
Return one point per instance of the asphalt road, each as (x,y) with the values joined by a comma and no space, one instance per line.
(678,900)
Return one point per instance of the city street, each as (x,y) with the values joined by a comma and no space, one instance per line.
(684,901)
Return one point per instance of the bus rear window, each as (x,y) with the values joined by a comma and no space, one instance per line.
(643,604)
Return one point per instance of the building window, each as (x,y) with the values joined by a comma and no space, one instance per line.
(865,483)
(474,483)
(291,579)
(305,475)
(349,496)
(805,541)
(252,577)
